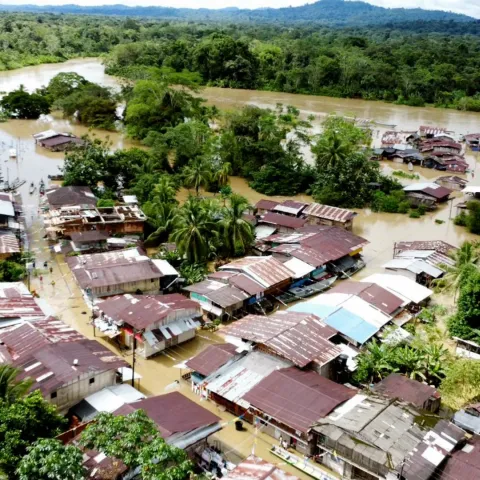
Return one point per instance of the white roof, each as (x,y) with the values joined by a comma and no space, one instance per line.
(164,267)
(421,186)
(126,373)
(6,208)
(298,267)
(471,189)
(130,199)
(263,231)
(111,398)
(413,265)
(44,135)
(400,286)
(415,253)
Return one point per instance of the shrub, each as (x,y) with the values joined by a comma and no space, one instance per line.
(415,214)
(461,219)
(422,209)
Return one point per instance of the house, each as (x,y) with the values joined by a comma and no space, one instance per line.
(320,246)
(468,419)
(411,292)
(157,321)
(289,401)
(263,206)
(17,305)
(318,214)
(120,219)
(455,163)
(64,365)
(420,395)
(9,244)
(281,223)
(472,140)
(180,421)
(56,142)
(210,360)
(452,182)
(268,272)
(69,196)
(472,190)
(430,146)
(254,468)
(391,138)
(416,269)
(301,338)
(431,132)
(228,385)
(122,271)
(89,241)
(427,193)
(441,248)
(377,438)
(463,463)
(7,210)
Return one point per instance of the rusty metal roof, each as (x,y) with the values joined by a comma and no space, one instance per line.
(372,293)
(463,464)
(8,242)
(437,245)
(173,413)
(297,398)
(267,271)
(298,337)
(57,331)
(254,468)
(392,137)
(429,188)
(89,236)
(140,311)
(66,196)
(112,268)
(282,220)
(246,284)
(426,130)
(265,204)
(212,358)
(405,389)
(291,207)
(218,292)
(329,213)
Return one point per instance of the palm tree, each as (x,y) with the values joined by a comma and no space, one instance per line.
(222,174)
(161,218)
(466,258)
(197,174)
(165,191)
(411,361)
(238,233)
(11,388)
(194,228)
(331,150)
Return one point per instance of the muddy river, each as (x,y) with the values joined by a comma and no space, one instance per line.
(382,230)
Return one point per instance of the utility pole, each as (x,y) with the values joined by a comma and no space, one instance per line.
(133,359)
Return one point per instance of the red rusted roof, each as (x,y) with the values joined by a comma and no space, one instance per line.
(296,398)
(426,130)
(265,204)
(282,220)
(463,464)
(57,331)
(212,358)
(254,468)
(329,213)
(437,245)
(140,311)
(66,196)
(173,413)
(88,236)
(8,242)
(246,284)
(405,389)
(298,337)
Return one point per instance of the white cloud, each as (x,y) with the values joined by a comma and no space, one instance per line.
(468,7)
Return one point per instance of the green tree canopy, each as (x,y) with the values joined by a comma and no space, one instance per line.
(11,388)
(21,104)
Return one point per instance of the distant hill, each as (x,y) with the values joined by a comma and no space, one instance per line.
(325,12)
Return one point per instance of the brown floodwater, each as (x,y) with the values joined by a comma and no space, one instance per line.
(381,229)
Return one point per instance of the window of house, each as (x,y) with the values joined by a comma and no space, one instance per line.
(92,380)
(53,395)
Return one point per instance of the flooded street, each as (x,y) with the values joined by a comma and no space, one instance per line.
(381,229)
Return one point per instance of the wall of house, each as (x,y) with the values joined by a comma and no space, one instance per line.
(327,370)
(108,227)
(76,390)
(311,220)
(146,286)
(149,350)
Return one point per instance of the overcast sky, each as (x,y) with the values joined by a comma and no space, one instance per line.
(468,7)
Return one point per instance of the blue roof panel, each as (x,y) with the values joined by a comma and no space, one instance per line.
(321,311)
(351,325)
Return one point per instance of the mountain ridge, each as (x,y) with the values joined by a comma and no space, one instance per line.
(325,12)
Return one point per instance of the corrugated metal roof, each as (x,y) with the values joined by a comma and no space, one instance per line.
(351,325)
(111,398)
(329,213)
(265,204)
(427,130)
(298,267)
(267,271)
(141,311)
(414,266)
(254,468)
(296,398)
(212,358)
(406,389)
(6,207)
(435,245)
(245,283)
(65,196)
(463,464)
(290,206)
(8,242)
(282,220)
(429,188)
(173,413)
(400,286)
(88,236)
(298,337)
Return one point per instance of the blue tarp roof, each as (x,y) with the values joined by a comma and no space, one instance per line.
(350,325)
(466,421)
(321,311)
(340,319)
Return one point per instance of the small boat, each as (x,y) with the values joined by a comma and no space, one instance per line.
(32,188)
(11,186)
(286,298)
(359,264)
(324,284)
(12,153)
(55,178)
(41,189)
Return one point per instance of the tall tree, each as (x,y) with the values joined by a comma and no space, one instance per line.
(237,232)
(197,174)
(49,459)
(222,174)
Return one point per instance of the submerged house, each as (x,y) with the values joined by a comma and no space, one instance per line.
(452,182)
(317,214)
(56,142)
(429,194)
(63,364)
(69,196)
(156,321)
(281,223)
(123,271)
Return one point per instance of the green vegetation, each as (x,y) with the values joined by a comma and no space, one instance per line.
(134,439)
(11,270)
(402,174)
(461,385)
(21,104)
(471,218)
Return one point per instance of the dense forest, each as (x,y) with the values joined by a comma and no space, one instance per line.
(325,12)
(371,63)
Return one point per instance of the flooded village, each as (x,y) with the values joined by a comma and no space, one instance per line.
(256,360)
